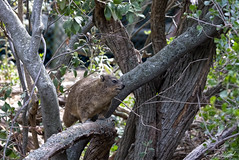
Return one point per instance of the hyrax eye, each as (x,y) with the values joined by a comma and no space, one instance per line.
(114,81)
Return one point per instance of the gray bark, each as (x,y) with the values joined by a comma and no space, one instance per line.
(27,49)
(61,141)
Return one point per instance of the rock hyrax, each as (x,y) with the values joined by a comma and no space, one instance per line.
(89,97)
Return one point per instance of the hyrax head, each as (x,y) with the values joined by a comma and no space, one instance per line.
(111,84)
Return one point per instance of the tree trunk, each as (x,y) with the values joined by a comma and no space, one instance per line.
(183,85)
(155,132)
(27,48)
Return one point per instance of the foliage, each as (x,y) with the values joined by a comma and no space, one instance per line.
(7,111)
(79,11)
(223,110)
(117,9)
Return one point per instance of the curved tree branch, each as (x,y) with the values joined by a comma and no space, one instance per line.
(73,134)
(160,62)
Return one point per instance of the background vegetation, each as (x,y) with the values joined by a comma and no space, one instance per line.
(86,48)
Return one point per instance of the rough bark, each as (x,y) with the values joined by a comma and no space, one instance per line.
(150,118)
(100,146)
(158,36)
(59,142)
(116,38)
(184,83)
(27,49)
(161,61)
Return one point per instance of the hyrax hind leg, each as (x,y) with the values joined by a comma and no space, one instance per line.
(69,119)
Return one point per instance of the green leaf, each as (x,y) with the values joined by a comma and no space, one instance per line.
(130,17)
(117,1)
(206,3)
(107,69)
(114,15)
(76,27)
(212,100)
(114,148)
(147,32)
(13,155)
(212,113)
(63,70)
(142,154)
(223,94)
(151,149)
(224,107)
(6,107)
(235,47)
(75,73)
(55,82)
(107,13)
(7,93)
(61,88)
(68,27)
(198,12)
(118,12)
(76,61)
(19,103)
(199,28)
(85,73)
(8,152)
(236,112)
(3,135)
(193,8)
(62,4)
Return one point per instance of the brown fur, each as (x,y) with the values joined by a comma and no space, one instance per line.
(89,97)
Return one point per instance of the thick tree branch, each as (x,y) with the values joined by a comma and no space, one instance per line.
(27,49)
(160,62)
(67,138)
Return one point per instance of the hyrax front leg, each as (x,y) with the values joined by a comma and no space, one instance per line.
(101,115)
(69,119)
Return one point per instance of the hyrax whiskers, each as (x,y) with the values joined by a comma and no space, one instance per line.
(89,97)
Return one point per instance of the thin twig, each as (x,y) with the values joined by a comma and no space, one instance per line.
(198,60)
(65,53)
(140,116)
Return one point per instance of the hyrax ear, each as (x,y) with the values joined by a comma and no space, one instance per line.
(102,78)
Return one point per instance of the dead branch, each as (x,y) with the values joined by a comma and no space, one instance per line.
(123,109)
(210,145)
(121,114)
(65,139)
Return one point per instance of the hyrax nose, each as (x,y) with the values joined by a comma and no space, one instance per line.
(123,86)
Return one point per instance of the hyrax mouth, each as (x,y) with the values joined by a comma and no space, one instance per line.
(120,88)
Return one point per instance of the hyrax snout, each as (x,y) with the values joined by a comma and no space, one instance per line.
(89,97)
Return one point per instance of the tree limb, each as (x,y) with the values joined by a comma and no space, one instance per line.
(27,47)
(161,61)
(63,140)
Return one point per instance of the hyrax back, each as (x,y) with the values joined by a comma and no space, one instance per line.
(89,97)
